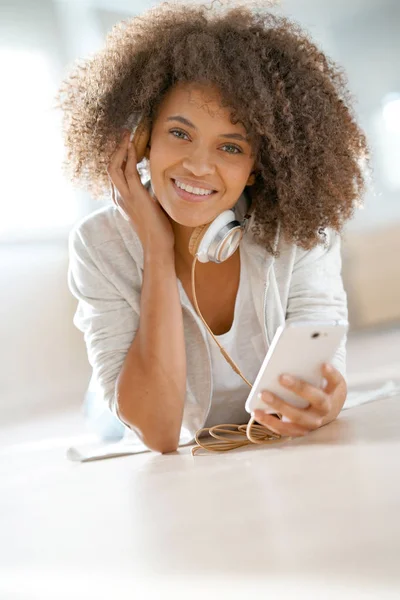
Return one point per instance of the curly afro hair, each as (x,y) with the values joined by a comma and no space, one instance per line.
(291,98)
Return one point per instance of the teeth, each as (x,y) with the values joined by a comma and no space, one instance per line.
(192,190)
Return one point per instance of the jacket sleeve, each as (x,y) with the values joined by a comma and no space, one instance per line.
(316,289)
(108,321)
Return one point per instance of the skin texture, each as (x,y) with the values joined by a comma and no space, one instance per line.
(146,215)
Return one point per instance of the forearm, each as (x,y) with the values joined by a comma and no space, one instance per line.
(150,390)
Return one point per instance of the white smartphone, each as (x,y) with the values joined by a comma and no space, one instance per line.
(298,349)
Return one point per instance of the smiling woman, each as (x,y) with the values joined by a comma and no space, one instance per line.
(250,133)
(197,154)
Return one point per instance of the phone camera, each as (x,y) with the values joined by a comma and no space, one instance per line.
(315,335)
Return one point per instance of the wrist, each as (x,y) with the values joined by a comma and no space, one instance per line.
(157,257)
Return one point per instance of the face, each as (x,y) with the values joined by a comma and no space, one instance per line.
(193,143)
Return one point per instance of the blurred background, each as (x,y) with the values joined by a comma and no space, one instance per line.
(44,367)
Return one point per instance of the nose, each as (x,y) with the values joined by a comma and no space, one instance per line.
(199,162)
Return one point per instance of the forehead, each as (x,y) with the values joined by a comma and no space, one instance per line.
(194,98)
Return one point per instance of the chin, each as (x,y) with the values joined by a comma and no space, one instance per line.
(189,216)
(188,220)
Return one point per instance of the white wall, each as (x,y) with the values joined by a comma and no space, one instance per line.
(43,358)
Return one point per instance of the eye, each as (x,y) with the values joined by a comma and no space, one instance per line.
(173,131)
(238,150)
(179,132)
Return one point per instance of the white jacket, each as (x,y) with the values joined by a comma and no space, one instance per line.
(106,272)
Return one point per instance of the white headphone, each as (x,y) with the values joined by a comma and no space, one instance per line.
(218,240)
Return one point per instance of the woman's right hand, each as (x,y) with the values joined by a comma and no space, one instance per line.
(144,212)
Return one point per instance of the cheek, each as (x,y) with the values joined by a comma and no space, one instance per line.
(162,166)
(235,169)
(235,180)
(159,159)
(163,151)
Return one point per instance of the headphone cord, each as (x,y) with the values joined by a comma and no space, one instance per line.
(229,436)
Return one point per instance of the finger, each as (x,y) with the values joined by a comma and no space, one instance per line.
(306,417)
(317,397)
(115,166)
(131,171)
(117,189)
(333,377)
(120,152)
(277,426)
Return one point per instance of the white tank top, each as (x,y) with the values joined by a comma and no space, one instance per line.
(229,389)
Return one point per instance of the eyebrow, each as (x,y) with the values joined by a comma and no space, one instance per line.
(184,121)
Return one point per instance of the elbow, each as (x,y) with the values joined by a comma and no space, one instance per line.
(159,438)
(161,444)
(164,448)
(158,441)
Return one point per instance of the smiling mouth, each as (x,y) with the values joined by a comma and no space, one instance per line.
(189,195)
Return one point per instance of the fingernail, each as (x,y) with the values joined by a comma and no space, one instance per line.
(287,379)
(285,419)
(328,367)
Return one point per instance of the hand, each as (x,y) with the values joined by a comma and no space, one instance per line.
(324,405)
(146,214)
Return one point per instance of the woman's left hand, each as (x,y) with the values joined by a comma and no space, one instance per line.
(324,404)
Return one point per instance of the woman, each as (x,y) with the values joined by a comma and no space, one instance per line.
(237,102)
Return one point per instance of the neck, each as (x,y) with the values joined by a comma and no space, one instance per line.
(184,260)
(182,237)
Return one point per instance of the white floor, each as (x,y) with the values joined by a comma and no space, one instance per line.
(312,518)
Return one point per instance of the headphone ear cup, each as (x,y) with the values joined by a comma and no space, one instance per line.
(196,238)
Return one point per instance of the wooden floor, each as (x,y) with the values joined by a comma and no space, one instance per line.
(317,517)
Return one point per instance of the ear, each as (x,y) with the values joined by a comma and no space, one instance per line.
(252,179)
